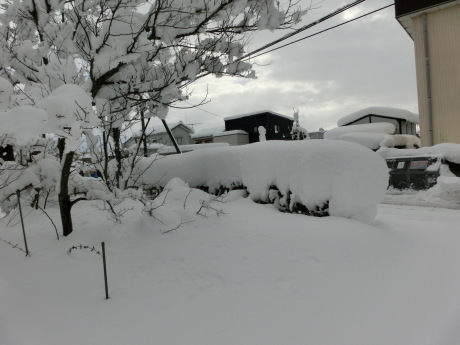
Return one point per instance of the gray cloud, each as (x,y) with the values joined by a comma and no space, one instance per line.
(368,62)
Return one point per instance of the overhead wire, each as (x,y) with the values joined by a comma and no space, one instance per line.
(206,111)
(319,32)
(342,9)
(303,28)
(291,34)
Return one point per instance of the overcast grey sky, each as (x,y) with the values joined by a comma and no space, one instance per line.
(369,62)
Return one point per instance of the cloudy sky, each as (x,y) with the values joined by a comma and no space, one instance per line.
(369,62)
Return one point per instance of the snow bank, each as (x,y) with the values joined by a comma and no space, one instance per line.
(449,151)
(372,141)
(313,177)
(382,111)
(407,140)
(379,127)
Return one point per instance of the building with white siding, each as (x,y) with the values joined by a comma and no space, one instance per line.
(434,25)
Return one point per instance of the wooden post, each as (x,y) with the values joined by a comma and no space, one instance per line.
(171,136)
(105,271)
(18,193)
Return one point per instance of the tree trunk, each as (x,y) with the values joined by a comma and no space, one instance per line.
(117,139)
(143,133)
(61,147)
(65,205)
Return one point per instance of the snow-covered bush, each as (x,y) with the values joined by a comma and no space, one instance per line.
(178,204)
(319,176)
(34,181)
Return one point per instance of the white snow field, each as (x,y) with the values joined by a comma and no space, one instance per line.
(248,276)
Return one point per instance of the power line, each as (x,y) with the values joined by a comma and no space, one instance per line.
(206,111)
(303,28)
(319,32)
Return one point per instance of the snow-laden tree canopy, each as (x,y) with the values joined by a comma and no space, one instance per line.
(66,112)
(127,52)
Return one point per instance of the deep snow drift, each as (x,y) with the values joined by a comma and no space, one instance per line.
(351,178)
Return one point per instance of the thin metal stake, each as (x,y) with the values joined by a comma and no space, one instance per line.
(18,193)
(105,271)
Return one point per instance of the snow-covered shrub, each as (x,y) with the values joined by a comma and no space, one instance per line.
(178,204)
(349,178)
(38,179)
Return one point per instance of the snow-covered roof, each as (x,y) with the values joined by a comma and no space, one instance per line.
(257,113)
(379,111)
(236,131)
(208,132)
(378,127)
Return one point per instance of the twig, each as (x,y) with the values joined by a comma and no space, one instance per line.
(81,247)
(177,227)
(186,197)
(51,220)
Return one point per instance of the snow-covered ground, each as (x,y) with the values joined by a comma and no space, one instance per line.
(248,276)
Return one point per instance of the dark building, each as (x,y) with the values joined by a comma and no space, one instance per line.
(277,126)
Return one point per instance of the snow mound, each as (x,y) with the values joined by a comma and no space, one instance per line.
(407,141)
(372,141)
(379,127)
(315,177)
(179,204)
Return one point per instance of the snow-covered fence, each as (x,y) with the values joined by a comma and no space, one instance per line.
(319,177)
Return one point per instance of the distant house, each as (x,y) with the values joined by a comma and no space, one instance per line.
(219,135)
(277,126)
(236,137)
(404,121)
(434,26)
(158,135)
(244,129)
(317,135)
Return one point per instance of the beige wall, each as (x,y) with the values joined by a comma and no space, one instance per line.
(444,50)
